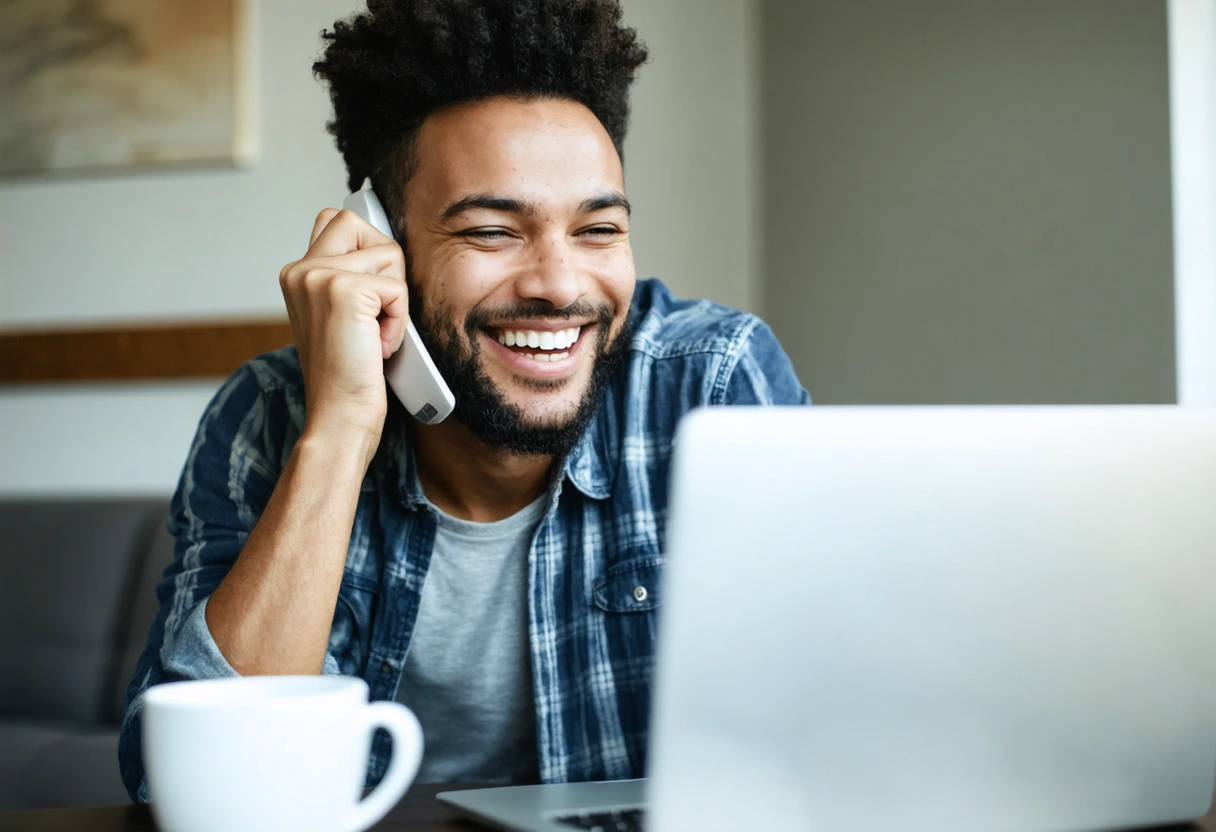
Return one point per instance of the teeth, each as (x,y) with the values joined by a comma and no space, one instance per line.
(541,356)
(561,356)
(560,340)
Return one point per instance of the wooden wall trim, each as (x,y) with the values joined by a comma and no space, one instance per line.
(196,350)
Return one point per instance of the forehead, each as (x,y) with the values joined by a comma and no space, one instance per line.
(547,151)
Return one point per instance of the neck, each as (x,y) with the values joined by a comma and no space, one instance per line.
(468,479)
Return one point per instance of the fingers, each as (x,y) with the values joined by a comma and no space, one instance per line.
(386,259)
(313,285)
(392,325)
(347,302)
(341,232)
(389,297)
(322,220)
(352,266)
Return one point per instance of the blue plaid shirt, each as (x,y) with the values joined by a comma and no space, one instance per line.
(592,635)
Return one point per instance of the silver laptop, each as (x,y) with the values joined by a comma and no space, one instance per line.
(925,618)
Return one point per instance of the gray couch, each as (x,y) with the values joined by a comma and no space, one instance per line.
(77,596)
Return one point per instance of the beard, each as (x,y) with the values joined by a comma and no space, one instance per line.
(480,404)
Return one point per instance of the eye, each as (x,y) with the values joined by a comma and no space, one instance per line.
(602,231)
(489,234)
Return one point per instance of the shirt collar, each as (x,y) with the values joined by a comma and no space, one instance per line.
(399,457)
(591,467)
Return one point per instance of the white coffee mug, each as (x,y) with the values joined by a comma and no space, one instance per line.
(272,753)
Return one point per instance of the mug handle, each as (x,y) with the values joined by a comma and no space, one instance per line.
(403,726)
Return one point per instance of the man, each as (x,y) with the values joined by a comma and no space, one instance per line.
(498,572)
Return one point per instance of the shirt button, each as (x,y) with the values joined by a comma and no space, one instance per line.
(386,667)
(639,594)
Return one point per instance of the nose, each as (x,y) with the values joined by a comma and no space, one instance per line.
(553,277)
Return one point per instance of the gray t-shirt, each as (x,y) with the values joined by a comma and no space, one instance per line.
(468,672)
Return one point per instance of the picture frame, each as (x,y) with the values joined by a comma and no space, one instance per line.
(113,85)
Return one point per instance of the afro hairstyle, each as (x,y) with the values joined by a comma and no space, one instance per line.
(391,66)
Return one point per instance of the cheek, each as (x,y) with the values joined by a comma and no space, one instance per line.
(463,280)
(614,272)
(620,289)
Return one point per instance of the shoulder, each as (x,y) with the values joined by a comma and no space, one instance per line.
(272,376)
(709,353)
(273,372)
(665,326)
(258,411)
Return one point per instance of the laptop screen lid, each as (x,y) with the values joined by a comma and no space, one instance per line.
(938,618)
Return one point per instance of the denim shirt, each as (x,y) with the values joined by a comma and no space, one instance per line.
(592,635)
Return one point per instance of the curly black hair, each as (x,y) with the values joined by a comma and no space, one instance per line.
(390,67)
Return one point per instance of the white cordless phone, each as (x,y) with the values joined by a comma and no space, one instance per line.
(410,371)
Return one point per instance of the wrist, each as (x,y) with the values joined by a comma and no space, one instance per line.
(338,441)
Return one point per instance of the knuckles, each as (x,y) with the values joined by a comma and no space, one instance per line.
(286,274)
(315,280)
(314,276)
(308,276)
(340,284)
(303,274)
(398,256)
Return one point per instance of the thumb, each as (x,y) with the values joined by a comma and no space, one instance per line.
(392,333)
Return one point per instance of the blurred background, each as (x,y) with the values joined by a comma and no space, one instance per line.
(931,201)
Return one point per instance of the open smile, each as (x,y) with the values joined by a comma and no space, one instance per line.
(532,351)
(541,345)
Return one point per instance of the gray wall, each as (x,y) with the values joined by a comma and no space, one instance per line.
(969,201)
(692,155)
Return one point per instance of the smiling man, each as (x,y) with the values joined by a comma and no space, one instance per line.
(499,572)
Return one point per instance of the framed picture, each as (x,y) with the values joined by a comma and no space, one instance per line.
(97,84)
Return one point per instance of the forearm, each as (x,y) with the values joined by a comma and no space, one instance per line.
(273,611)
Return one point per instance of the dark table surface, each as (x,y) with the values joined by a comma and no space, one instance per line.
(418,811)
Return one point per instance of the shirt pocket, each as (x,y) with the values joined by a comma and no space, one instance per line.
(630,586)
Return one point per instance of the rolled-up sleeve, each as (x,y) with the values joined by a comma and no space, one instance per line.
(195,655)
(231,470)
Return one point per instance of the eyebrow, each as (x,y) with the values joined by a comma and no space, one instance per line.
(507,205)
(489,203)
(612,199)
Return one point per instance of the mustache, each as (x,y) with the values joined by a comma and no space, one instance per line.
(479,318)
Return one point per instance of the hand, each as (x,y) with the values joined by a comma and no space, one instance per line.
(348,306)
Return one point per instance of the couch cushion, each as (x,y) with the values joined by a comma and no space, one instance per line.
(53,765)
(141,611)
(66,572)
